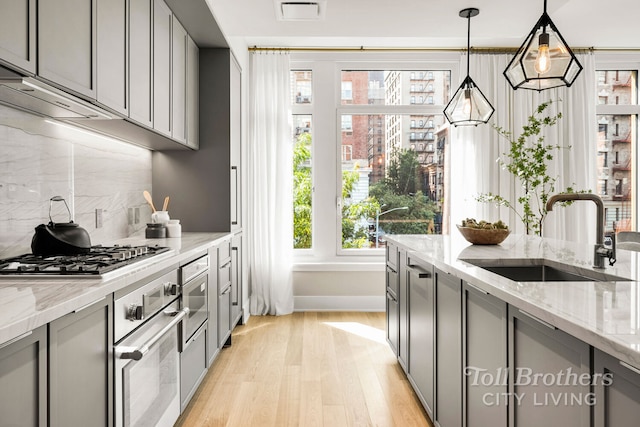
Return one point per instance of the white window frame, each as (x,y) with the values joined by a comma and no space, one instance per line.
(326,110)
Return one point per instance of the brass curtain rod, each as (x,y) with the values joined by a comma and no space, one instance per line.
(425,49)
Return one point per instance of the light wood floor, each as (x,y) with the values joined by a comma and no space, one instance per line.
(306,369)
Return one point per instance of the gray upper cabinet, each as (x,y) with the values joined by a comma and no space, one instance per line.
(235,133)
(537,347)
(193,110)
(67,43)
(485,350)
(81,367)
(141,61)
(18,33)
(162,22)
(617,392)
(112,54)
(23,380)
(179,82)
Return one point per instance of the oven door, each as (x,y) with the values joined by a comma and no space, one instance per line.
(147,391)
(194,297)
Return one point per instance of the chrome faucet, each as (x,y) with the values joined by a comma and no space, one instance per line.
(600,252)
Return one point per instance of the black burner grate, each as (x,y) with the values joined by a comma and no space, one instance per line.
(99,260)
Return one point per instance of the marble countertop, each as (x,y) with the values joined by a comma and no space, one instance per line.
(603,314)
(29,302)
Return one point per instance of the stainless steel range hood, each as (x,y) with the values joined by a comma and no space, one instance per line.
(35,96)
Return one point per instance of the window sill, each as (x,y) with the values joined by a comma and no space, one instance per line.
(338,266)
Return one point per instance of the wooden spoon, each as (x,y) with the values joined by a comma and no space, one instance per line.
(147,197)
(166,203)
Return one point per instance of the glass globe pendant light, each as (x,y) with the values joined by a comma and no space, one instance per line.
(544,60)
(468,106)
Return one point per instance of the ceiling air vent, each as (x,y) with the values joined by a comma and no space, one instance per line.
(300,11)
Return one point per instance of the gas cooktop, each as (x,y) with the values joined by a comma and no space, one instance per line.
(99,260)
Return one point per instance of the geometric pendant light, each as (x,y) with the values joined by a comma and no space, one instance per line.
(544,60)
(468,106)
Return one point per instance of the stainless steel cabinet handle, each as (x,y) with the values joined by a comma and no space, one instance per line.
(482,291)
(16,339)
(542,322)
(419,272)
(138,353)
(630,367)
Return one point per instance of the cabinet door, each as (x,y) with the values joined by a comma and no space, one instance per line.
(112,54)
(224,317)
(236,279)
(179,82)
(66,44)
(140,61)
(536,347)
(162,20)
(485,351)
(23,380)
(81,367)
(18,33)
(448,404)
(393,319)
(403,309)
(212,306)
(617,396)
(193,110)
(235,134)
(421,332)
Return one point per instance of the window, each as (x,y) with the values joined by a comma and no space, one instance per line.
(368,154)
(301,87)
(617,112)
(347,91)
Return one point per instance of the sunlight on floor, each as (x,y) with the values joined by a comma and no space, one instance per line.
(364,331)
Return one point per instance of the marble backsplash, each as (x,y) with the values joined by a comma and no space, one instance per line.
(40,159)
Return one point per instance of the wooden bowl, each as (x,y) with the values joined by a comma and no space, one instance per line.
(481,236)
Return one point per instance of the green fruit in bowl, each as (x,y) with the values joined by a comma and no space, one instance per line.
(486,225)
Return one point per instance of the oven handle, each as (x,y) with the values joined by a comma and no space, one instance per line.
(137,353)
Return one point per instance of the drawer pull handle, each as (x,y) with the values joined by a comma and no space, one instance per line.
(542,322)
(482,291)
(630,367)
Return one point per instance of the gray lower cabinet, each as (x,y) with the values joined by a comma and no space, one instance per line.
(535,347)
(18,33)
(193,365)
(162,22)
(111,54)
(67,43)
(485,356)
(392,309)
(421,332)
(403,309)
(23,380)
(81,367)
(617,392)
(236,280)
(212,306)
(448,349)
(224,299)
(140,61)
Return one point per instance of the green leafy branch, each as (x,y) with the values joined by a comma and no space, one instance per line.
(528,159)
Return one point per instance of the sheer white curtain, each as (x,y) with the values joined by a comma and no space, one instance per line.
(474,150)
(270,215)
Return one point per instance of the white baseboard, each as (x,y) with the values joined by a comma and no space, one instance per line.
(339,303)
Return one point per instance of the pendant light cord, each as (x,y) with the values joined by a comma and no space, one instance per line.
(469,39)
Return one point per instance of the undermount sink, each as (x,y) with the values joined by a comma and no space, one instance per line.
(542,270)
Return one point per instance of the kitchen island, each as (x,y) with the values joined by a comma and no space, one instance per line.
(468,334)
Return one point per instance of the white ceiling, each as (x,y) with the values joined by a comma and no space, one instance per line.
(431,23)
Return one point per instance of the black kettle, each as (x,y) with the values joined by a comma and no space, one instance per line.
(61,238)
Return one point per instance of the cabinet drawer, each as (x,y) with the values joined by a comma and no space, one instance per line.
(392,281)
(193,365)
(224,276)
(391,256)
(224,252)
